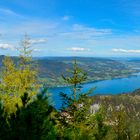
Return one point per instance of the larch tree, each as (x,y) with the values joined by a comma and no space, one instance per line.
(18,78)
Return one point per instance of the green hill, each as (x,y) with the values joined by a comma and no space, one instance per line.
(51,68)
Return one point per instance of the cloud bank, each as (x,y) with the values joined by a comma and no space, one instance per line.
(78,49)
(125,51)
(38,41)
(5,46)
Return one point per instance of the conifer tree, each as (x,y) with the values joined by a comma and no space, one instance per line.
(75,109)
(18,78)
(78,76)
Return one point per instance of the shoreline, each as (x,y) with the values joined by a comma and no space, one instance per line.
(95,81)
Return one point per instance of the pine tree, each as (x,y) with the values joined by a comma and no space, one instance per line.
(78,76)
(75,109)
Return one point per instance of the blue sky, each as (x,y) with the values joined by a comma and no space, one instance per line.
(71,27)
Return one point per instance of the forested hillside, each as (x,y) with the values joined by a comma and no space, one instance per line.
(51,68)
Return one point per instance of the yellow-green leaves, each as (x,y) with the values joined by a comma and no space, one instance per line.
(18,78)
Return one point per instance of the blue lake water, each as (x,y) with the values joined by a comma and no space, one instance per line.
(114,86)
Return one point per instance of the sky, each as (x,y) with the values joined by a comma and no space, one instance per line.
(95,28)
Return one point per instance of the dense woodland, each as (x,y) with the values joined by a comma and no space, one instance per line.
(27,114)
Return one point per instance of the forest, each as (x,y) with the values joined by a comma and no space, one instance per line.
(26,113)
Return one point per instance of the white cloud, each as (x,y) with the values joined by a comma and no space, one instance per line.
(38,41)
(37,50)
(65,17)
(78,49)
(91,30)
(9,12)
(125,51)
(33,27)
(6,46)
(84,33)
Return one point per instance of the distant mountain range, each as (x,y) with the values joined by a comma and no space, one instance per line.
(51,68)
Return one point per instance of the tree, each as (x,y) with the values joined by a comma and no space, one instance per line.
(121,125)
(100,129)
(78,76)
(33,121)
(18,78)
(75,109)
(28,72)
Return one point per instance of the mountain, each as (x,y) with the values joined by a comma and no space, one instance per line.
(96,68)
(51,68)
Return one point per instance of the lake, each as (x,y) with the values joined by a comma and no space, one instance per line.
(114,86)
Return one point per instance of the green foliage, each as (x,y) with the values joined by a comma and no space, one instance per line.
(18,78)
(75,113)
(32,121)
(100,129)
(120,126)
(77,77)
(26,114)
